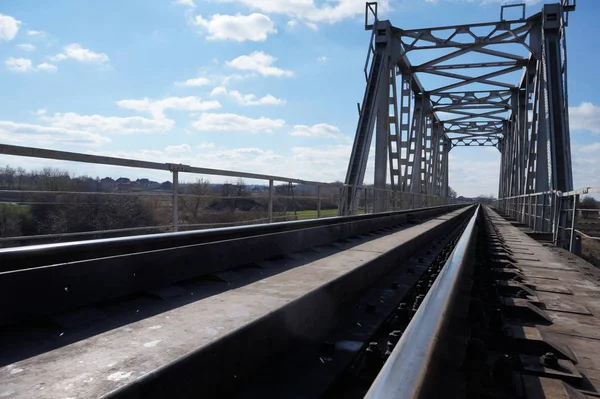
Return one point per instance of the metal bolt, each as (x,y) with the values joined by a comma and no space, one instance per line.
(419,287)
(550,360)
(372,355)
(394,337)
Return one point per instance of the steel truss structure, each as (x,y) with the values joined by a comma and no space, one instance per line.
(470,104)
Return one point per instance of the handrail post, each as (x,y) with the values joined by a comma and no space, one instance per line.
(175,200)
(270,204)
(535,213)
(573,223)
(543,213)
(318,201)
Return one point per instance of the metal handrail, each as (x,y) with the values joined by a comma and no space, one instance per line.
(405,373)
(415,199)
(550,211)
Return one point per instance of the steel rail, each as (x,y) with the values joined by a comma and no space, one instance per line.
(19,258)
(415,359)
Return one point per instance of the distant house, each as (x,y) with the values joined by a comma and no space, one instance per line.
(123,183)
(147,183)
(107,184)
(167,185)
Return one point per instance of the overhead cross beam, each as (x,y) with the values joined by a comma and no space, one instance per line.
(480,103)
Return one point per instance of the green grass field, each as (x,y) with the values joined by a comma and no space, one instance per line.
(309,214)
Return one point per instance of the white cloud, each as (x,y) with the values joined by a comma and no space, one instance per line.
(26,47)
(44,66)
(254,27)
(318,130)
(232,122)
(19,65)
(325,163)
(75,52)
(195,82)
(247,99)
(39,112)
(157,107)
(259,62)
(109,124)
(178,148)
(217,91)
(312,26)
(322,59)
(189,3)
(306,10)
(8,27)
(45,135)
(593,148)
(236,76)
(32,32)
(586,116)
(24,65)
(292,23)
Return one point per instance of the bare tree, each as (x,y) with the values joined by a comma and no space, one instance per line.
(21,173)
(53,179)
(451,192)
(588,203)
(194,203)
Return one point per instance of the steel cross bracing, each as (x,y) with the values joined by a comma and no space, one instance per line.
(473,97)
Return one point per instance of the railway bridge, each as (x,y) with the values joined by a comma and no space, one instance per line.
(405,293)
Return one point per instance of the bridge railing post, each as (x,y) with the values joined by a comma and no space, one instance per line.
(573,223)
(543,212)
(270,204)
(555,217)
(175,200)
(318,202)
(536,222)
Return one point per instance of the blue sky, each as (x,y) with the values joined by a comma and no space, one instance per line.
(260,86)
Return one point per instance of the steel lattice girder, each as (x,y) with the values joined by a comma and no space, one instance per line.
(527,120)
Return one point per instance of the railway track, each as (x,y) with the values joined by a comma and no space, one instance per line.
(438,302)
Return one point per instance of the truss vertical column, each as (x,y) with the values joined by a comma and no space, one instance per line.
(405,130)
(435,165)
(426,169)
(395,138)
(382,136)
(446,147)
(418,145)
(555,98)
(377,64)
